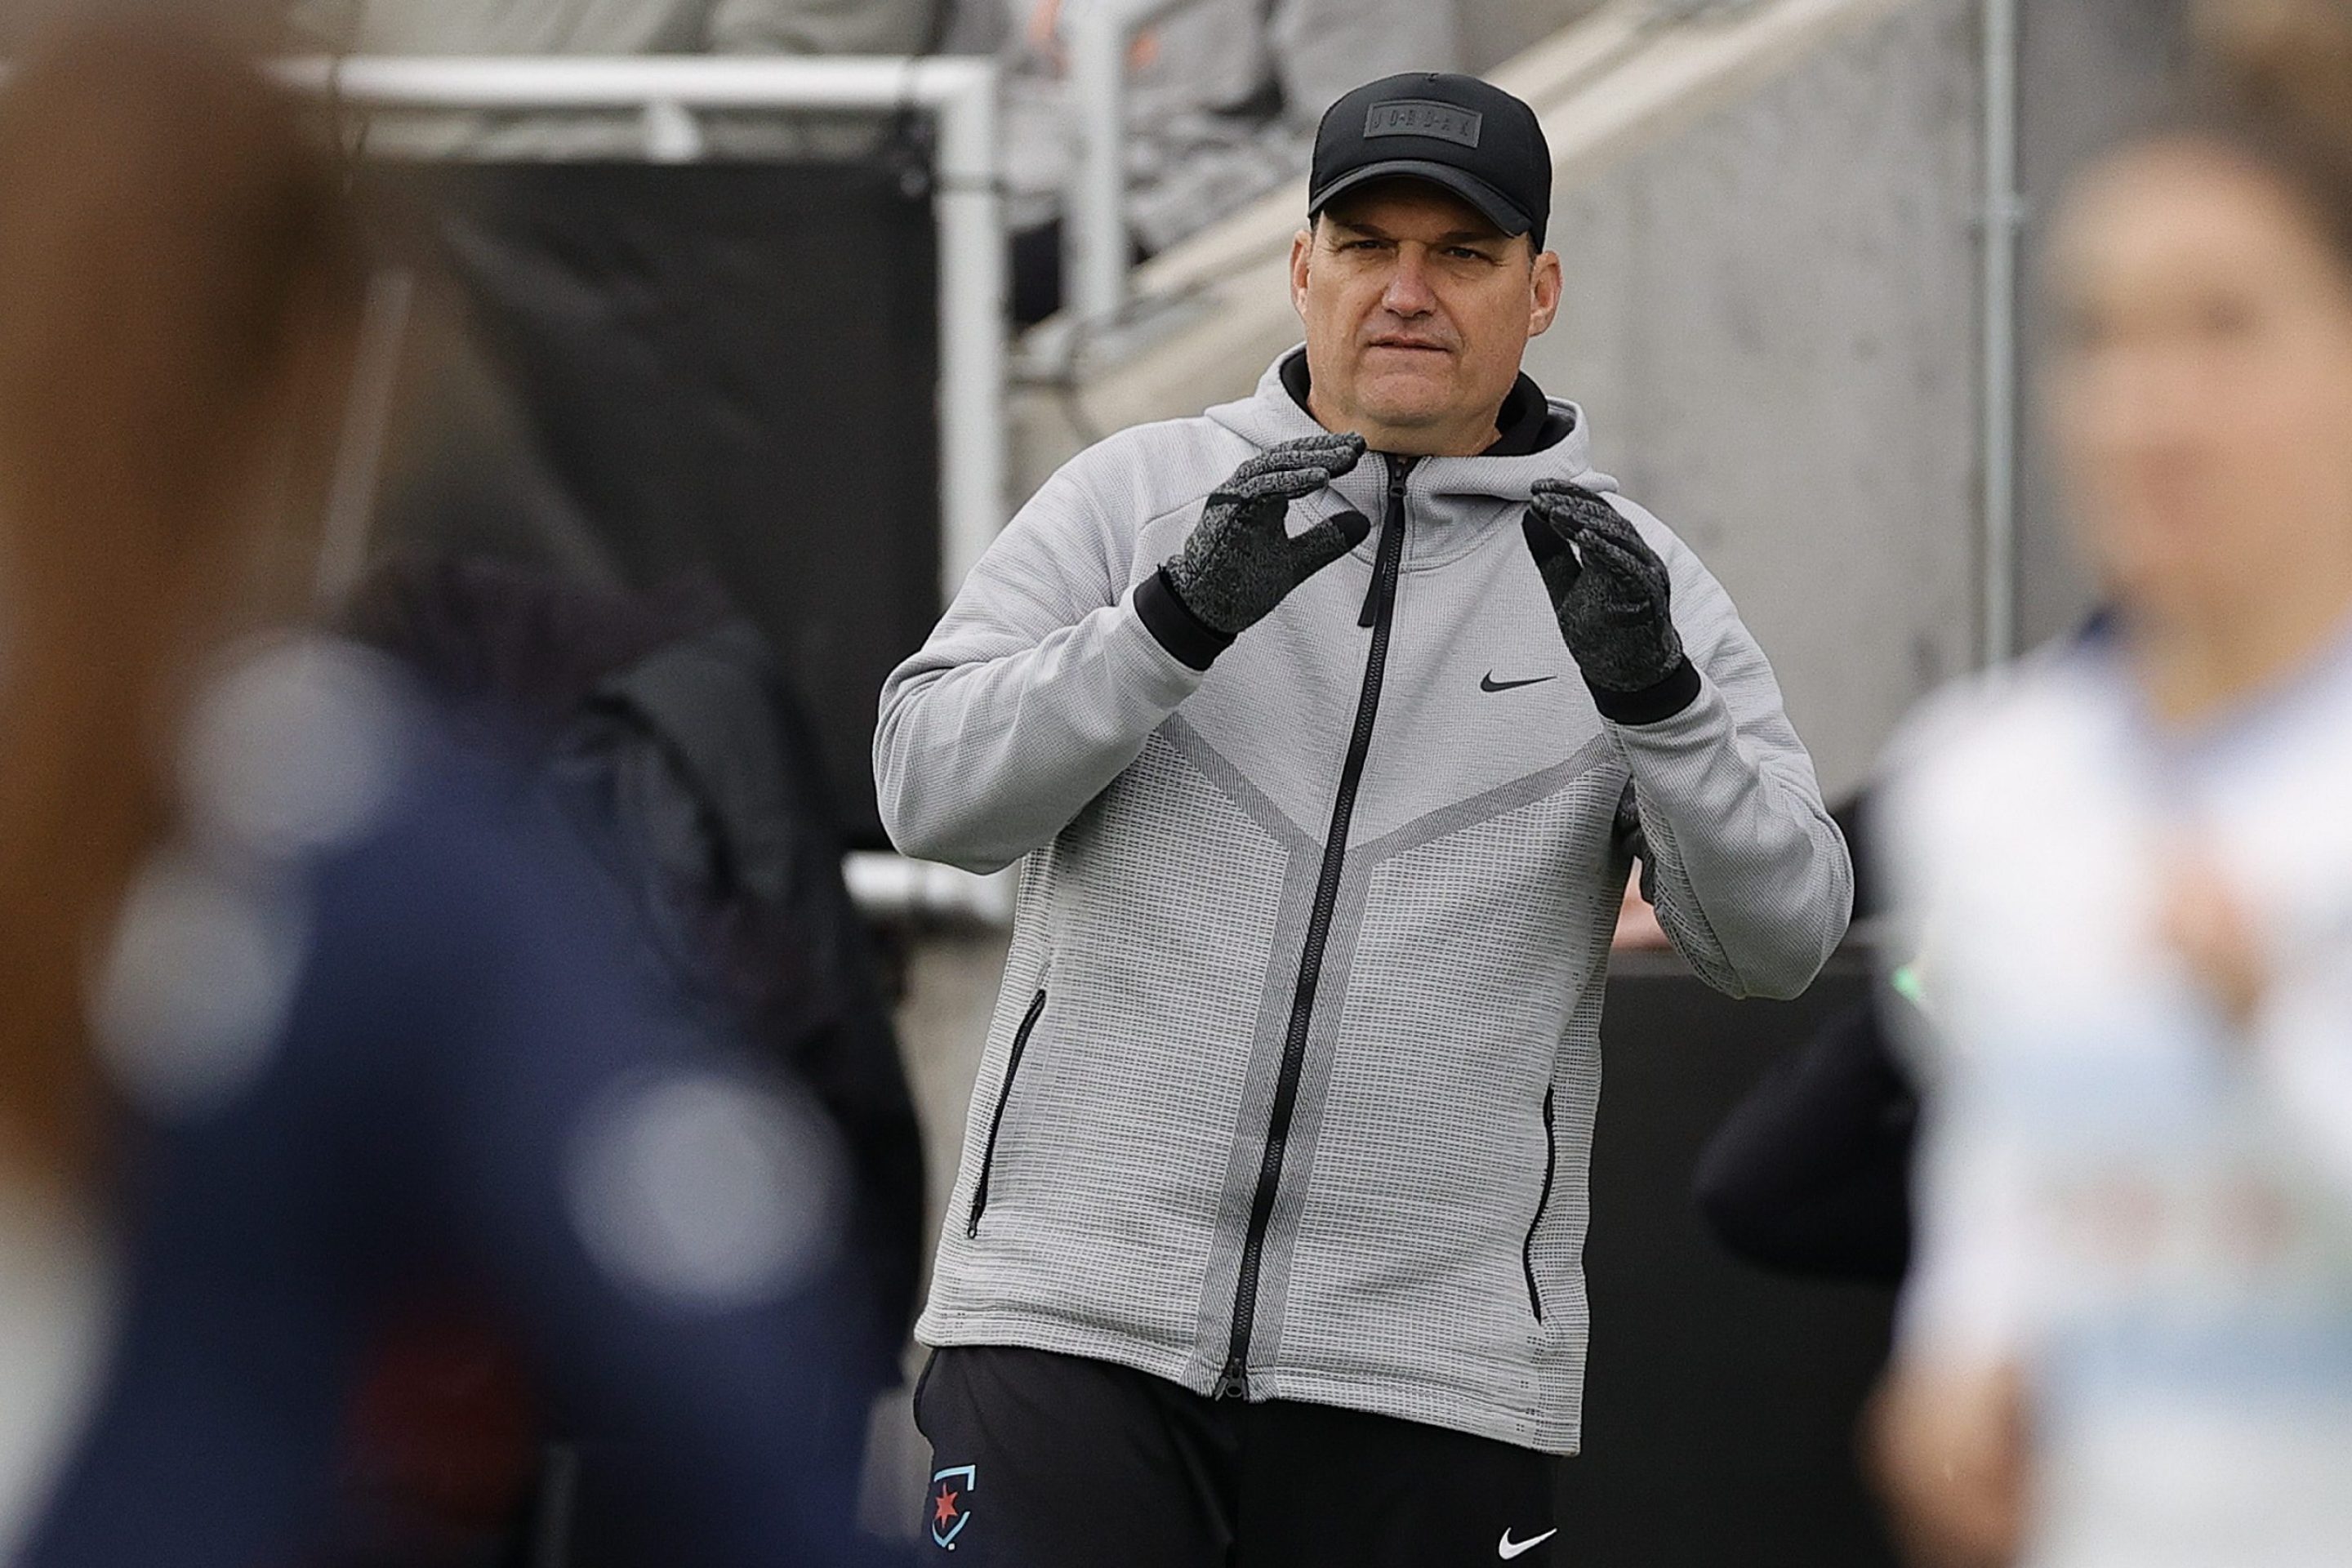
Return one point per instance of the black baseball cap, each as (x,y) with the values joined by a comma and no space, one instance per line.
(1467,135)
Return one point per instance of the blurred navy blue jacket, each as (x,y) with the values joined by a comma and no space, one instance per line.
(376,1026)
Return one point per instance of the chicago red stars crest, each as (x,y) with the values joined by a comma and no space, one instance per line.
(952,1503)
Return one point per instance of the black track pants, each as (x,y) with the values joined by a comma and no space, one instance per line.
(1050,1461)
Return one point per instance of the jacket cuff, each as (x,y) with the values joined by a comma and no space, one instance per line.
(1189,639)
(1652,704)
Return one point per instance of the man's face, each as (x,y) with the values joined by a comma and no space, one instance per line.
(1418,311)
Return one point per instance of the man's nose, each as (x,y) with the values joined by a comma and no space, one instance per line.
(1409,293)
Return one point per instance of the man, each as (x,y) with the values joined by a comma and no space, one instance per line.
(1266,1245)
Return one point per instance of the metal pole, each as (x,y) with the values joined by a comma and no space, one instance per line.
(1096,245)
(973,288)
(890,887)
(692,82)
(2003,217)
(1095,222)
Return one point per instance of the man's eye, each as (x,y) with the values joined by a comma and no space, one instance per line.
(1463,253)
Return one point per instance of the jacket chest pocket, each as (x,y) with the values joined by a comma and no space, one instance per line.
(996,1119)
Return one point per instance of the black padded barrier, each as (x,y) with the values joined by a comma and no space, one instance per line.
(1721,1403)
(731,367)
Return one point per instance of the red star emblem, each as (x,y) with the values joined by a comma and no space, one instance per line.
(947,1510)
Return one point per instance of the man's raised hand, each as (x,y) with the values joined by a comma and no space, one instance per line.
(1242,561)
(1609,589)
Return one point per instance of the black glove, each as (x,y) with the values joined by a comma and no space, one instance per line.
(1613,598)
(1241,561)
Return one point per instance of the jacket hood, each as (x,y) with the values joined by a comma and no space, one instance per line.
(1272,415)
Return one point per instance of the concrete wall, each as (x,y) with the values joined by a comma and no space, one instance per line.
(1495,30)
(1771,324)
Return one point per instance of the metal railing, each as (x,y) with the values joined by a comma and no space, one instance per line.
(958,93)
(1096,251)
(893,888)
(2004,219)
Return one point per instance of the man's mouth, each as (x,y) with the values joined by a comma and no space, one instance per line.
(1411,345)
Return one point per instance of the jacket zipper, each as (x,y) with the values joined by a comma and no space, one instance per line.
(996,1122)
(1543,1203)
(1378,613)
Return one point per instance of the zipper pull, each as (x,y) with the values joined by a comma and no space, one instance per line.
(1400,470)
(1234,1382)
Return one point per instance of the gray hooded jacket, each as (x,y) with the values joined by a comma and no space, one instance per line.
(1290,1090)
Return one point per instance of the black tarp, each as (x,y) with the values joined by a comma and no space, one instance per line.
(731,367)
(1721,1402)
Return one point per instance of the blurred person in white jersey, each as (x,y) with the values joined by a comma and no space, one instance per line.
(2128,862)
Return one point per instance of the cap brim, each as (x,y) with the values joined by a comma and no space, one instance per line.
(1498,207)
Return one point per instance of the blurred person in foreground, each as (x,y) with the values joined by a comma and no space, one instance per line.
(1266,1245)
(302,1011)
(2129,1337)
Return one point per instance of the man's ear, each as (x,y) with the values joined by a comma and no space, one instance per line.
(1544,292)
(1302,248)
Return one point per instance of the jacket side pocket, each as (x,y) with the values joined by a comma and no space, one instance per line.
(996,1122)
(1543,1203)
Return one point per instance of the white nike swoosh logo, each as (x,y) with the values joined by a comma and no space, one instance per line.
(1510,1549)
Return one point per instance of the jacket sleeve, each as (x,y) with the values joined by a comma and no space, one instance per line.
(1039,687)
(1751,878)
